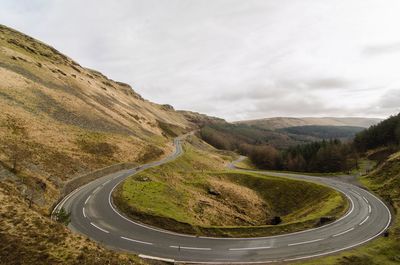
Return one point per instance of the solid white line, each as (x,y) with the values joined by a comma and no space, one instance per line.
(232,238)
(190,248)
(369,208)
(136,241)
(253,248)
(305,242)
(155,258)
(308,256)
(352,246)
(344,232)
(105,231)
(364,220)
(61,203)
(87,199)
(83,211)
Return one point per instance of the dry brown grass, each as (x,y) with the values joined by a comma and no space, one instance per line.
(76,120)
(30,238)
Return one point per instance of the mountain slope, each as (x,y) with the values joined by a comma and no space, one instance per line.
(285,122)
(58,122)
(72,119)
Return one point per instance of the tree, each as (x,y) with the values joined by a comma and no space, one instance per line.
(266,157)
(63,217)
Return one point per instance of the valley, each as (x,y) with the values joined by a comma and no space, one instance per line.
(138,179)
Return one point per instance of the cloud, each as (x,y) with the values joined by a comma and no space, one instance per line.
(231,58)
(391,100)
(382,49)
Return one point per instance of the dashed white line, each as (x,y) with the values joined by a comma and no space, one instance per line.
(364,220)
(105,183)
(356,193)
(101,229)
(252,248)
(96,190)
(369,208)
(136,241)
(344,232)
(83,211)
(190,248)
(156,258)
(305,242)
(365,199)
(87,199)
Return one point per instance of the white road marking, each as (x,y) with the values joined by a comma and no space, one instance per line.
(354,245)
(364,220)
(96,190)
(87,199)
(344,232)
(190,248)
(105,231)
(365,199)
(253,248)
(290,259)
(305,242)
(356,193)
(106,182)
(369,208)
(61,203)
(83,211)
(136,241)
(155,258)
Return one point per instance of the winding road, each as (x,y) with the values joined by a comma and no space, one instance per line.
(94,215)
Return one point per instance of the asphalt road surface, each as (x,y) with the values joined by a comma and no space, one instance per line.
(94,215)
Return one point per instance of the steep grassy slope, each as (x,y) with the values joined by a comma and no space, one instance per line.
(285,122)
(28,237)
(195,194)
(59,121)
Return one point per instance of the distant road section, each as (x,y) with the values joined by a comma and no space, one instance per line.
(94,215)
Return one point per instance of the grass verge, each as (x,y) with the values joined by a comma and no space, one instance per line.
(384,181)
(176,196)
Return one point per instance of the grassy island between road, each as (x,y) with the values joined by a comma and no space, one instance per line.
(195,194)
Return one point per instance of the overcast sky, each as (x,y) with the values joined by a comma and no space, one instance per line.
(232,58)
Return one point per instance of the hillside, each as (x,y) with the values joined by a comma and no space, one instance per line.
(285,122)
(325,132)
(71,120)
(58,122)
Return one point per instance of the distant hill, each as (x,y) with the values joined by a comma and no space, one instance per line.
(323,132)
(285,122)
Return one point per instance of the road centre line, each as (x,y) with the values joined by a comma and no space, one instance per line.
(252,248)
(364,220)
(105,231)
(190,248)
(305,242)
(87,199)
(344,232)
(136,241)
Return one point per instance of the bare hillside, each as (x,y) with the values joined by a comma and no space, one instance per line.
(58,122)
(285,122)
